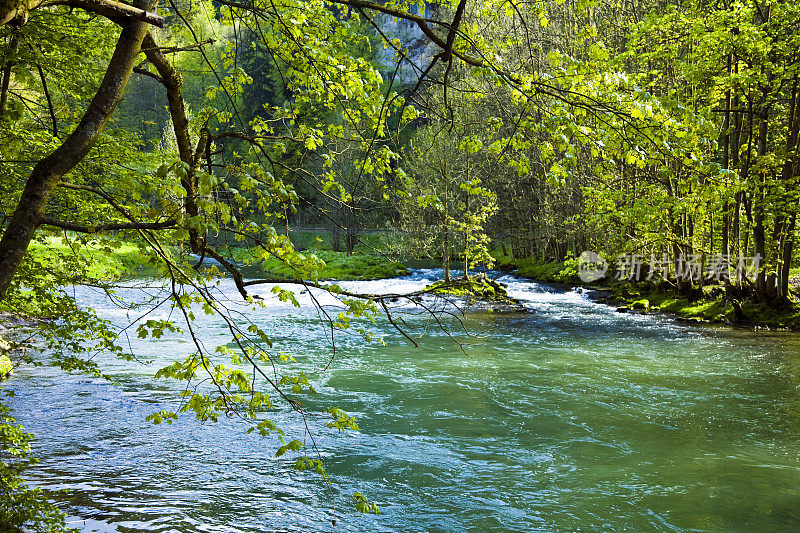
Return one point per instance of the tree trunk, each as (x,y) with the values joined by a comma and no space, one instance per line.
(759,236)
(726,161)
(788,173)
(446,254)
(172,80)
(785,260)
(12,52)
(48,172)
(735,141)
(466,236)
(758,249)
(351,231)
(336,237)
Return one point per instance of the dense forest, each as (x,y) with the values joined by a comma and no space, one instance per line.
(203,135)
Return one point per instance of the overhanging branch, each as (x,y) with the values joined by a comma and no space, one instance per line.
(80,228)
(115,11)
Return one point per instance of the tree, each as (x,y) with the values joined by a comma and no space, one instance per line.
(728,73)
(84,179)
(498,111)
(444,191)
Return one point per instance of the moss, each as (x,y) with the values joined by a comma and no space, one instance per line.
(5,366)
(5,363)
(473,289)
(711,306)
(340,266)
(706,309)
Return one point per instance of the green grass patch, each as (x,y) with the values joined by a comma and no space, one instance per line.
(539,270)
(337,266)
(91,261)
(5,363)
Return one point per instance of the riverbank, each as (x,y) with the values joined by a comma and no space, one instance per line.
(335,265)
(712,307)
(94,261)
(644,297)
(97,262)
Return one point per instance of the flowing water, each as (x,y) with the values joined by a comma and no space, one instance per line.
(569,418)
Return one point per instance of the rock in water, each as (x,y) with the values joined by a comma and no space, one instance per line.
(480,294)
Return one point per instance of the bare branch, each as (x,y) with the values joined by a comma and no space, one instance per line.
(49,99)
(80,228)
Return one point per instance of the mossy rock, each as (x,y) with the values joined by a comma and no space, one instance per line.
(6,367)
(478,289)
(628,293)
(5,363)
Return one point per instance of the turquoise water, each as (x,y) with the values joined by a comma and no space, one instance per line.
(569,418)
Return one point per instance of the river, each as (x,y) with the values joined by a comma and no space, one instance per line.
(572,417)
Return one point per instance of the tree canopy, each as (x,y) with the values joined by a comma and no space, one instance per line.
(187,128)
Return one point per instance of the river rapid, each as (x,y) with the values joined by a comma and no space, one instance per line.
(571,417)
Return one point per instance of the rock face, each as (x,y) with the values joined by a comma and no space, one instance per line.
(479,294)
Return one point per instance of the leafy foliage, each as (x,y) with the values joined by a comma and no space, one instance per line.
(21,508)
(541,125)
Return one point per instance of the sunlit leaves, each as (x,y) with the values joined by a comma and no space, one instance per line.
(293,445)
(22,508)
(341,420)
(363,505)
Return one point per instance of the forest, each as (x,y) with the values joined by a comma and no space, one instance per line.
(284,144)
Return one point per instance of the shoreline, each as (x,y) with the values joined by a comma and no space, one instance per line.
(713,308)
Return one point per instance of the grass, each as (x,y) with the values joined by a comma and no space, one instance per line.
(337,266)
(538,269)
(118,260)
(5,363)
(94,261)
(5,366)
